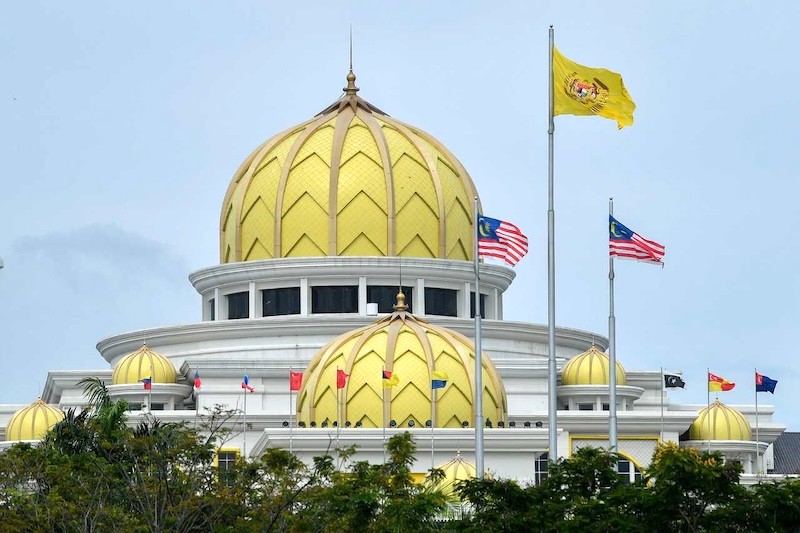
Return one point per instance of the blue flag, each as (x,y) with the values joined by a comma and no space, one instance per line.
(765,384)
(438,379)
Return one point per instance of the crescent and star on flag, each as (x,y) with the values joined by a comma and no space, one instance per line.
(484,228)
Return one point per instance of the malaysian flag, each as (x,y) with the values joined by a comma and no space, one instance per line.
(500,239)
(627,244)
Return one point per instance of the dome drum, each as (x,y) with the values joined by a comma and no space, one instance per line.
(580,397)
(164,396)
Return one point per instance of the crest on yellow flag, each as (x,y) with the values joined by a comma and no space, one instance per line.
(581,90)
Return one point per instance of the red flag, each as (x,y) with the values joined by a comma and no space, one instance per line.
(295,380)
(148,383)
(341,379)
(197,381)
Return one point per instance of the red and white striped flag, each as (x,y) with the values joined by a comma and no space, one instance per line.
(500,239)
(627,244)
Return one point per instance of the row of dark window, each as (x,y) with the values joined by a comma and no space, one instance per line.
(344,299)
(585,407)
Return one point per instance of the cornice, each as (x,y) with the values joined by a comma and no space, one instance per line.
(212,332)
(294,268)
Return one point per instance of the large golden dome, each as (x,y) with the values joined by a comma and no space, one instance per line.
(412,349)
(141,364)
(32,422)
(590,368)
(720,422)
(351,181)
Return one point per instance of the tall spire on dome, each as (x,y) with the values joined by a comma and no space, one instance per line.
(351,88)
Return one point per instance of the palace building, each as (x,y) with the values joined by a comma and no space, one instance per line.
(346,250)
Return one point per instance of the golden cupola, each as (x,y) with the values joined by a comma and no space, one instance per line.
(141,364)
(410,349)
(720,422)
(459,469)
(33,422)
(590,368)
(352,181)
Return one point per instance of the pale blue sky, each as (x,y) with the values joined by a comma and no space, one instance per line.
(121,125)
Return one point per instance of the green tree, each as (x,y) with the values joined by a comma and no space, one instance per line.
(369,497)
(686,484)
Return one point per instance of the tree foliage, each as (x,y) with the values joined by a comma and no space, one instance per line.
(684,490)
(96,472)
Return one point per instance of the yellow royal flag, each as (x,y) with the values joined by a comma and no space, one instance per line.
(580,90)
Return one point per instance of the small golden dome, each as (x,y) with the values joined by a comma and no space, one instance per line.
(459,469)
(352,181)
(590,368)
(141,364)
(412,349)
(720,422)
(33,422)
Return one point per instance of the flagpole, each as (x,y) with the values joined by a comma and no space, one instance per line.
(291,412)
(478,351)
(708,409)
(338,407)
(758,464)
(612,351)
(383,414)
(150,391)
(196,400)
(244,435)
(433,421)
(663,383)
(552,415)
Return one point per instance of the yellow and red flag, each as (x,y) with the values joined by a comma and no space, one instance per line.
(719,384)
(581,90)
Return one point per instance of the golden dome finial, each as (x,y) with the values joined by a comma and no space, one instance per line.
(401,302)
(351,88)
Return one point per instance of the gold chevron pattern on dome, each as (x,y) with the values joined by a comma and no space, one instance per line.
(141,364)
(351,181)
(411,349)
(458,469)
(720,422)
(590,368)
(33,422)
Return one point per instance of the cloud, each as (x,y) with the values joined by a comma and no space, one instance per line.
(63,291)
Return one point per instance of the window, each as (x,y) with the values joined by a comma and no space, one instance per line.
(628,471)
(585,407)
(334,299)
(238,305)
(540,468)
(442,302)
(386,296)
(472,305)
(277,302)
(226,463)
(605,407)
(157,407)
(212,309)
